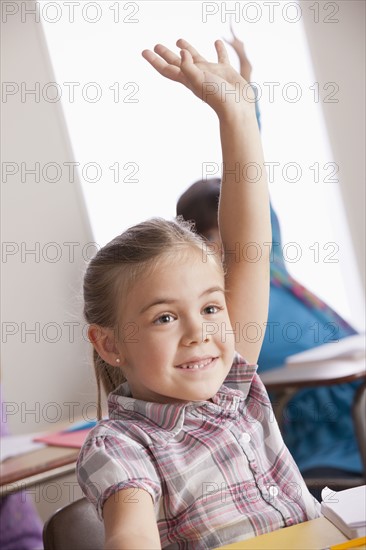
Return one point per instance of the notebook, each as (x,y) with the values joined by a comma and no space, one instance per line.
(74,438)
(346,510)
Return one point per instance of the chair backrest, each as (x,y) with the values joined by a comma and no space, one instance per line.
(74,527)
(359,419)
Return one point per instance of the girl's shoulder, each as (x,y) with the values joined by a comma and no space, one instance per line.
(239,359)
(112,428)
(241,374)
(111,460)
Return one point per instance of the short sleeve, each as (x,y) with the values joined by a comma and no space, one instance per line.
(109,463)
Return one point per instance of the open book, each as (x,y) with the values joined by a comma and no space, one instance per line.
(346,510)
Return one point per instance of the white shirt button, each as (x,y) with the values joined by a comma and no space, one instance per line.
(244,438)
(273,490)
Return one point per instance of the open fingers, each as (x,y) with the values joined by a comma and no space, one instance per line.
(164,68)
(221,52)
(183,44)
(191,71)
(167,55)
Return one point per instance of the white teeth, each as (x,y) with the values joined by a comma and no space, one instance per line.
(197,365)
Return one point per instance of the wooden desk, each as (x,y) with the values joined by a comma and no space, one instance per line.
(316,534)
(26,470)
(38,466)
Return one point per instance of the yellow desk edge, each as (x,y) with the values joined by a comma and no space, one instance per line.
(316,534)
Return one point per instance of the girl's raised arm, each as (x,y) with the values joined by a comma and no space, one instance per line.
(244,212)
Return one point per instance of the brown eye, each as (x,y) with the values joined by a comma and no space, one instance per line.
(164,319)
(212,309)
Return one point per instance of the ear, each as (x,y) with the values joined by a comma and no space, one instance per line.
(104,341)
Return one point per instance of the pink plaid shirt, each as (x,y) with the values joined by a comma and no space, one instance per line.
(218,472)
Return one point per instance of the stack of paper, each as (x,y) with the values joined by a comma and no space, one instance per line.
(15,445)
(346,510)
(351,347)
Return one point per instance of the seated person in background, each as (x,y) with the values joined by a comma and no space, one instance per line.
(20,526)
(318,426)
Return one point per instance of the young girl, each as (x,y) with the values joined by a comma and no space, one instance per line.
(191,456)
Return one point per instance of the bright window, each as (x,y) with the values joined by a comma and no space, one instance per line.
(141,140)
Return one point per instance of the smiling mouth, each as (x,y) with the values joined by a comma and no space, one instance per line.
(197,365)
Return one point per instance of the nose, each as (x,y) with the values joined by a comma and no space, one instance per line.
(194,332)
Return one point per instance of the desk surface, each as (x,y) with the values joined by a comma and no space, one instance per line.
(36,467)
(311,535)
(320,373)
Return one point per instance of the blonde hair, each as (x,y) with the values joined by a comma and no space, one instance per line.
(114,269)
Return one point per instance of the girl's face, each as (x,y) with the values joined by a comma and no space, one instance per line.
(177,337)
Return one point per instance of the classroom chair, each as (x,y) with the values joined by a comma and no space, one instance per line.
(74,527)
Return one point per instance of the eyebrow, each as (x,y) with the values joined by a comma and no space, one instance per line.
(160,301)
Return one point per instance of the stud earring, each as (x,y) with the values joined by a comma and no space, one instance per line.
(118,360)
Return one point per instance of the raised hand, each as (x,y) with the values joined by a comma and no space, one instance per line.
(238,46)
(218,84)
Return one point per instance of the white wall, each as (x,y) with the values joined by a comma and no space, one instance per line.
(37,374)
(45,367)
(338,54)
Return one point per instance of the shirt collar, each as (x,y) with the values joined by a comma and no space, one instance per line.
(163,421)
